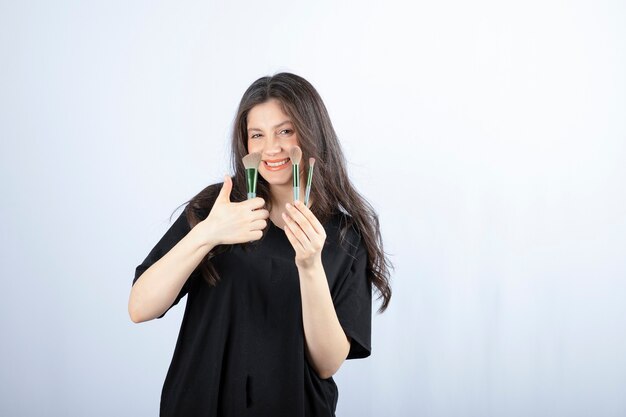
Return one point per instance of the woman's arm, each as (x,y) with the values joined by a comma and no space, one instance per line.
(227,223)
(155,290)
(327,344)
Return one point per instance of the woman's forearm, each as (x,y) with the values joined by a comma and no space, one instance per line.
(326,342)
(227,223)
(156,289)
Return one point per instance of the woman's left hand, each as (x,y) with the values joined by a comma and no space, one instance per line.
(305,233)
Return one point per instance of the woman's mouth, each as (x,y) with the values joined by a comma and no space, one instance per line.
(277,165)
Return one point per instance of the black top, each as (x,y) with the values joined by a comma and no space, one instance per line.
(241,348)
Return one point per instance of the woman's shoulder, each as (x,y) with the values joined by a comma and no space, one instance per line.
(342,230)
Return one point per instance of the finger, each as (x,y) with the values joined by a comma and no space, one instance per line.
(296,231)
(311,217)
(297,246)
(260,214)
(302,221)
(253,203)
(224,195)
(255,235)
(258,225)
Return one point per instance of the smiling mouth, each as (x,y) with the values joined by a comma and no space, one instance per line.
(276,164)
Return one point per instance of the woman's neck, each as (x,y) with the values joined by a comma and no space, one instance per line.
(281,195)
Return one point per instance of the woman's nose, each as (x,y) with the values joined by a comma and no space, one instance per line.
(272,145)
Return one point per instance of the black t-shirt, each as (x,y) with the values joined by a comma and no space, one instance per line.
(241,348)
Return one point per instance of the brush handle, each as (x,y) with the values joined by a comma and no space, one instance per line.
(309,181)
(251,177)
(296,182)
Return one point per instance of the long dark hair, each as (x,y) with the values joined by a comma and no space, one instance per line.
(333,190)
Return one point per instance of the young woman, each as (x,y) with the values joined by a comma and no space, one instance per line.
(279,294)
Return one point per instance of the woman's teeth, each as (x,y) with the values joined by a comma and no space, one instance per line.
(276,164)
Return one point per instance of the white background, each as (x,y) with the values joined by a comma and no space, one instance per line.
(489,135)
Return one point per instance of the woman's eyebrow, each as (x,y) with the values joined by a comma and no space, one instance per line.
(250,129)
(282,123)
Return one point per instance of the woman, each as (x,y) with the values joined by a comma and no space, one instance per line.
(279,294)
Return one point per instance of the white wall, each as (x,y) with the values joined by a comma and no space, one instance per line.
(489,136)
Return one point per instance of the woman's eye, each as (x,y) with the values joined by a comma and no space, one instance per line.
(256,135)
(286,131)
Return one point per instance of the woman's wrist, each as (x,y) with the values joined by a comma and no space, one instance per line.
(203,240)
(310,267)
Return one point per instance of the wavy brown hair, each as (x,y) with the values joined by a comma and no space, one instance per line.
(333,191)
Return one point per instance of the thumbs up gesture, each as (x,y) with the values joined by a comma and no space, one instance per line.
(230,223)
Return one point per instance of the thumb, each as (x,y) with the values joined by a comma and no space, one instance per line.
(224,195)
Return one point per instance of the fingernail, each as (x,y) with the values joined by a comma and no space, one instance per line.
(288,205)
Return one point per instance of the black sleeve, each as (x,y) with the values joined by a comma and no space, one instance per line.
(353,304)
(176,232)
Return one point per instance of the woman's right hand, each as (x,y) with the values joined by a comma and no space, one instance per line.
(230,223)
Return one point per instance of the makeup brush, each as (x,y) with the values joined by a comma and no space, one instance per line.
(295,154)
(309,180)
(251,162)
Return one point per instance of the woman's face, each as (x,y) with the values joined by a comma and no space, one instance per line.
(271,133)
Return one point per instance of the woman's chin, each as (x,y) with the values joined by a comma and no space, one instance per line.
(279,183)
(277,180)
